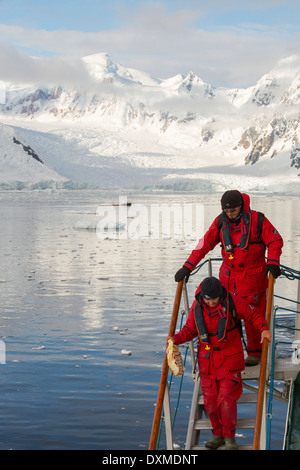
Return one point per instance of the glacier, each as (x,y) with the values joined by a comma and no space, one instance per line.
(123,129)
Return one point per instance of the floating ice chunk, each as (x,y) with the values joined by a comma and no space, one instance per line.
(124,352)
(85,225)
(110,225)
(99,226)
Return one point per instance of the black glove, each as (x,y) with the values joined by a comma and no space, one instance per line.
(274,269)
(183,273)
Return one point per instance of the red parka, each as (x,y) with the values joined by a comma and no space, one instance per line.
(220,352)
(243,270)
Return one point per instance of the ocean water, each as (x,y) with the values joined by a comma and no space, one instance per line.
(84,315)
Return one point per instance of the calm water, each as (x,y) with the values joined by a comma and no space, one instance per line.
(71,302)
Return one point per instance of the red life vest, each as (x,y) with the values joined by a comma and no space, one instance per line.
(223,310)
(244,267)
(220,345)
(245,223)
(202,331)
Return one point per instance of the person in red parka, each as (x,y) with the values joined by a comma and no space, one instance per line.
(245,235)
(213,318)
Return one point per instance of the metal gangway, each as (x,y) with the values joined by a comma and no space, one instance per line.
(258,382)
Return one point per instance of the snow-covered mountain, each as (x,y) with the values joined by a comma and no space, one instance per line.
(123,127)
(19,163)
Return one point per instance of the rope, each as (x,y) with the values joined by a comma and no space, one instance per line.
(284,298)
(287,327)
(287,272)
(290,273)
(286,310)
(202,264)
(179,393)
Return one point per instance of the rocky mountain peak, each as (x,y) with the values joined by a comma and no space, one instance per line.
(261,122)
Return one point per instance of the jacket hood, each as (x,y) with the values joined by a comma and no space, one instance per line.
(199,297)
(246,201)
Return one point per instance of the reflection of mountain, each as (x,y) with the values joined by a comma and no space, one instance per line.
(131,114)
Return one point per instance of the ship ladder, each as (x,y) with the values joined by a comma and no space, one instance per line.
(258,384)
(253,400)
(199,423)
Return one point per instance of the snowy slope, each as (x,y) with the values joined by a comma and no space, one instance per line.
(20,164)
(124,128)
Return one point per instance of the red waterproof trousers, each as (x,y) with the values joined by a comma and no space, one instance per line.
(259,301)
(220,398)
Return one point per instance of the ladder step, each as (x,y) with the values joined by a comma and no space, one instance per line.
(245,398)
(248,398)
(202,424)
(242,423)
(245,423)
(251,373)
(241,447)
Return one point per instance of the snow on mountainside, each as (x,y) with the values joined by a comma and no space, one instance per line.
(19,163)
(125,128)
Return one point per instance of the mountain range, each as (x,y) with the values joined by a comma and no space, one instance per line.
(123,128)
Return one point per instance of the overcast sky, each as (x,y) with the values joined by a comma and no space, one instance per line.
(229,43)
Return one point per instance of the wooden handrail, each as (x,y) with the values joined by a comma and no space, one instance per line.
(164,372)
(263,368)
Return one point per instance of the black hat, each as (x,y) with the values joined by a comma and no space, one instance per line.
(211,288)
(231,199)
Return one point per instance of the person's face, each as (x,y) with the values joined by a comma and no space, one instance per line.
(233,213)
(212,302)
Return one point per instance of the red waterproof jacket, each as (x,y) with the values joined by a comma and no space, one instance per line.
(220,350)
(243,270)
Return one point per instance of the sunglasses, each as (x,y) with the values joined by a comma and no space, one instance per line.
(230,211)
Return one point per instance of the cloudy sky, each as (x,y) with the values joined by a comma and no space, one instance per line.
(226,42)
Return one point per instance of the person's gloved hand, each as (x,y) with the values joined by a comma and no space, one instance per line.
(274,269)
(183,273)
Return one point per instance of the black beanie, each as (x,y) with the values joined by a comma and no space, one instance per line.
(211,288)
(231,199)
